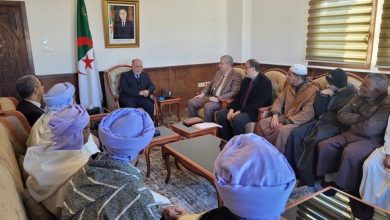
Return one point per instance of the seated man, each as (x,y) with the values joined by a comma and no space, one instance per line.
(366,117)
(301,146)
(375,185)
(253,179)
(109,186)
(136,88)
(225,85)
(292,108)
(31,90)
(51,166)
(60,96)
(255,92)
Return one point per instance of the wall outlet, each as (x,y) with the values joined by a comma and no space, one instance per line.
(203,84)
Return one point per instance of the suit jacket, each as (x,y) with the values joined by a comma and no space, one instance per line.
(259,96)
(126,32)
(30,111)
(128,85)
(230,87)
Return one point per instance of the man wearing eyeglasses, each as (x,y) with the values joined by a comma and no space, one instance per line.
(225,85)
(255,92)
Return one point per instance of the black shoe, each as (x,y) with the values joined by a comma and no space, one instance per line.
(361,210)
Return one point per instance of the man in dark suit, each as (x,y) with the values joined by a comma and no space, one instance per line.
(123,28)
(31,91)
(136,89)
(255,92)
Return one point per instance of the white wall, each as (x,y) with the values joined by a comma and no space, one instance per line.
(172,32)
(278,31)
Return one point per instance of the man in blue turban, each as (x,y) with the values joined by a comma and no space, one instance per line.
(51,166)
(253,179)
(109,186)
(60,96)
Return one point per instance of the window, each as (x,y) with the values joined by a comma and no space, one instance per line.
(340,32)
(384,38)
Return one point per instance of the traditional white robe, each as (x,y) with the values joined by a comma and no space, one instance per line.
(41,135)
(49,173)
(375,186)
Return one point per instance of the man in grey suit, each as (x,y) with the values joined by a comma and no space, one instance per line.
(225,85)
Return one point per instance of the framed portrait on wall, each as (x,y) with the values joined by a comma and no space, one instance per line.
(121,23)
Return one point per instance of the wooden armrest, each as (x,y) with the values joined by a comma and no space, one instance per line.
(263,112)
(225,102)
(97,117)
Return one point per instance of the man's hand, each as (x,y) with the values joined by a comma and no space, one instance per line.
(274,122)
(146,93)
(386,161)
(230,114)
(235,114)
(213,99)
(173,212)
(328,92)
(199,96)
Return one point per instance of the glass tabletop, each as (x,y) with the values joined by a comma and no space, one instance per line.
(332,204)
(202,150)
(164,131)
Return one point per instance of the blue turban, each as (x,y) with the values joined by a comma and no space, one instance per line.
(253,178)
(125,132)
(67,127)
(59,96)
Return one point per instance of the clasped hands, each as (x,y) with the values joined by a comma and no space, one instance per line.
(173,212)
(144,93)
(231,114)
(211,98)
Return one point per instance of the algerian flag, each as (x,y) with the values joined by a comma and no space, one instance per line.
(89,82)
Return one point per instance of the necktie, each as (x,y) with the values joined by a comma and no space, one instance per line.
(123,24)
(247,94)
(218,87)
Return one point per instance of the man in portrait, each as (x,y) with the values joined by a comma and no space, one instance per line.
(123,27)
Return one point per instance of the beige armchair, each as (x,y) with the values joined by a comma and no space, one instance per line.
(226,102)
(111,87)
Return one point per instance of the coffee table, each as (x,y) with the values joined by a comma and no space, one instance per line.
(195,154)
(321,206)
(190,132)
(166,136)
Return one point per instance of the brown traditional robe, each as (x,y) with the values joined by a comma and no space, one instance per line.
(294,104)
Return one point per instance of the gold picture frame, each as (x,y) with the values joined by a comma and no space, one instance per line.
(121,23)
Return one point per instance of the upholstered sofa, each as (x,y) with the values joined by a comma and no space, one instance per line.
(11,183)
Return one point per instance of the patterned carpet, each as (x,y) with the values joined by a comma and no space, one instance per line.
(189,190)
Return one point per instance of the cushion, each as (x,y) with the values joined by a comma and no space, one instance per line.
(278,80)
(7,158)
(6,104)
(115,76)
(11,205)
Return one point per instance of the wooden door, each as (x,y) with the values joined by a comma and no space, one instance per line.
(15,49)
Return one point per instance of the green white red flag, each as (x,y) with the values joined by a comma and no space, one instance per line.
(89,81)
